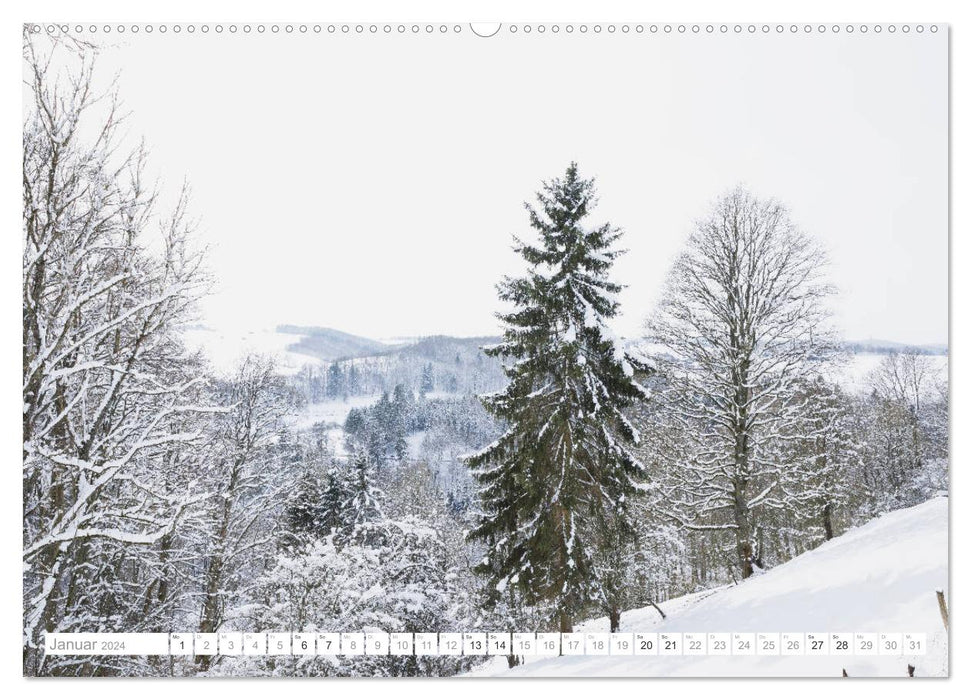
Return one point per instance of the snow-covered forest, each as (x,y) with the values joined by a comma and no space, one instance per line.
(546,477)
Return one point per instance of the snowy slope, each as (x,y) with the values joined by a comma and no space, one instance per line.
(880,577)
(331,413)
(226,347)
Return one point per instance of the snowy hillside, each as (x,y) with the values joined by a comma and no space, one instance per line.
(294,347)
(297,347)
(326,344)
(880,577)
(225,347)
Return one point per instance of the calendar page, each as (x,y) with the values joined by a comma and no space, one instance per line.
(460,349)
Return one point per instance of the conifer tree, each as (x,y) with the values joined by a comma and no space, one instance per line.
(362,514)
(562,476)
(302,514)
(335,381)
(332,501)
(427,380)
(316,506)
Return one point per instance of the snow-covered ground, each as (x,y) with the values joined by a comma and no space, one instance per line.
(226,347)
(880,577)
(329,412)
(414,443)
(335,412)
(332,415)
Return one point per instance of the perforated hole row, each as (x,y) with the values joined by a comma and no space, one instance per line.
(457,28)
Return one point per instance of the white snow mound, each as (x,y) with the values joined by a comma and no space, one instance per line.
(879,577)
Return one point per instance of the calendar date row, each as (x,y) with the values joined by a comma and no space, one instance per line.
(490,644)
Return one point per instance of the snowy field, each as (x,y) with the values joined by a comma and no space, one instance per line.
(226,347)
(329,412)
(880,577)
(332,415)
(335,412)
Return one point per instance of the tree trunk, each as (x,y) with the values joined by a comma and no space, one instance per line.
(942,605)
(210,605)
(743,528)
(759,554)
(703,571)
(743,532)
(209,621)
(828,520)
(566,621)
(614,619)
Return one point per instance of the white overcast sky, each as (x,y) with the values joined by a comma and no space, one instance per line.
(373,183)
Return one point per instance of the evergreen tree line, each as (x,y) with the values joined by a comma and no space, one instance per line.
(442,425)
(456,368)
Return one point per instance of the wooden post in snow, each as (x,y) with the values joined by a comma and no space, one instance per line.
(942,604)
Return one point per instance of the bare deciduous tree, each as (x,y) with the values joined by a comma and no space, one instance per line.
(907,409)
(742,319)
(106,381)
(246,481)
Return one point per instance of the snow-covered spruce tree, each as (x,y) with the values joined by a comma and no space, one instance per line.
(336,386)
(562,475)
(314,502)
(741,321)
(332,500)
(304,515)
(361,513)
(427,380)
